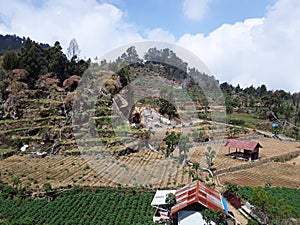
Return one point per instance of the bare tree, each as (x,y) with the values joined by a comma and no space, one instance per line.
(73,49)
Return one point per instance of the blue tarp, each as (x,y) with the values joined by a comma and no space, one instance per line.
(225,206)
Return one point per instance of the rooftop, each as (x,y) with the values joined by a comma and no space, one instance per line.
(198,192)
(241,144)
(160,197)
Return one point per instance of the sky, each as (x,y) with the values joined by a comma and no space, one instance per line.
(246,42)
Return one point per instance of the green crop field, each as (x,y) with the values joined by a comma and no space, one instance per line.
(3,151)
(105,207)
(290,196)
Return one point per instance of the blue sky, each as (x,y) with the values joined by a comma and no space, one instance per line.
(246,42)
(168,15)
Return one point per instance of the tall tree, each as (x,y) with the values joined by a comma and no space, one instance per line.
(130,57)
(10,60)
(32,58)
(73,49)
(184,146)
(58,61)
(210,154)
(171,140)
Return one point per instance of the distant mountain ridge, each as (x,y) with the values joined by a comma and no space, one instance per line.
(14,42)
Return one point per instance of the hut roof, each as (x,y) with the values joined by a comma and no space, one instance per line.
(198,192)
(241,144)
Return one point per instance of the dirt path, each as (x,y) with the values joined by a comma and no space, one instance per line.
(240,219)
(295,161)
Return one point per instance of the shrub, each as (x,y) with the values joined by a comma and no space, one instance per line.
(237,122)
(252,222)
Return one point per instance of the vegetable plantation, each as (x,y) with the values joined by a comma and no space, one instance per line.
(105,207)
(290,196)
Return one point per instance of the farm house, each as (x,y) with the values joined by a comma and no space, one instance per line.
(161,214)
(191,200)
(250,149)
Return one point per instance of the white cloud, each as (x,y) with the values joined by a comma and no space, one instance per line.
(159,34)
(195,9)
(255,51)
(98,27)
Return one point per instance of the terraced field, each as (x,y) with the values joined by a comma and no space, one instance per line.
(275,173)
(57,170)
(145,168)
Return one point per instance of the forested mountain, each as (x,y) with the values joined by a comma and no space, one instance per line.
(13,42)
(165,105)
(38,59)
(276,106)
(44,79)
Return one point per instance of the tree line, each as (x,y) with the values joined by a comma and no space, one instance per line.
(13,42)
(37,60)
(280,102)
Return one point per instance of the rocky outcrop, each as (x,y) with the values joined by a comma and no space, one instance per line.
(147,117)
(16,88)
(48,82)
(268,115)
(19,75)
(71,83)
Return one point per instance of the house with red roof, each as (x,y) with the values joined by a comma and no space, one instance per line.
(191,200)
(250,149)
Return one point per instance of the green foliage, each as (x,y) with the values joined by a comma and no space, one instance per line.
(196,166)
(172,140)
(171,200)
(210,154)
(47,187)
(81,206)
(10,60)
(252,222)
(260,198)
(174,66)
(16,182)
(37,60)
(216,216)
(124,75)
(237,122)
(32,58)
(7,191)
(232,189)
(277,203)
(184,146)
(130,57)
(208,215)
(13,42)
(23,221)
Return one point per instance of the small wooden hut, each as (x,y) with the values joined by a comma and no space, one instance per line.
(250,149)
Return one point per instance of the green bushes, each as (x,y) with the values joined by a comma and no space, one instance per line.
(237,122)
(80,206)
(277,203)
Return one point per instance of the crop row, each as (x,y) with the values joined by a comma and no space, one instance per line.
(104,207)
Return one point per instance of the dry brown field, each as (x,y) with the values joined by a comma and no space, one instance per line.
(61,171)
(274,173)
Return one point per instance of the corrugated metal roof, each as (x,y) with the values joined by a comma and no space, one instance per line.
(241,144)
(160,197)
(198,192)
(191,218)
